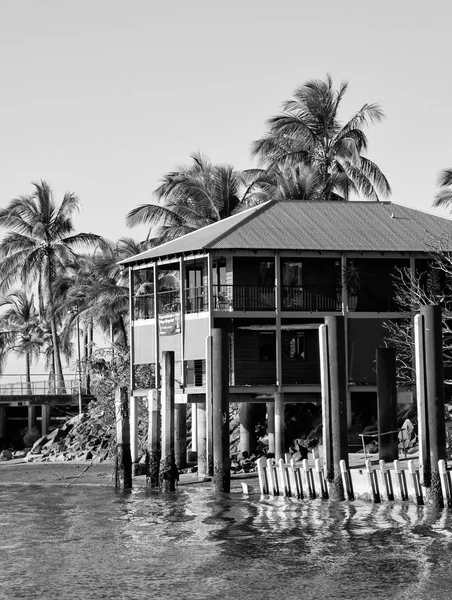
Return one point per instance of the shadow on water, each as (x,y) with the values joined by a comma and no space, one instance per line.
(98,543)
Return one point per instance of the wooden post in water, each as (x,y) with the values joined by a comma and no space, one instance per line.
(326,404)
(338,399)
(134,434)
(434,378)
(279,426)
(202,442)
(421,400)
(220,412)
(168,471)
(123,459)
(180,436)
(153,449)
(208,406)
(387,404)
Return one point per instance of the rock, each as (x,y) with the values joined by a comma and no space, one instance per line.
(20,454)
(38,445)
(6,455)
(31,436)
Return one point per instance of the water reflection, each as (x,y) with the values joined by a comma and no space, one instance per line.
(98,543)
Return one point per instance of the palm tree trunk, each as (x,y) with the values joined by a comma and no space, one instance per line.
(59,379)
(28,371)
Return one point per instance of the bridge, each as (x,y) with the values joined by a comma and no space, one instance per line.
(25,403)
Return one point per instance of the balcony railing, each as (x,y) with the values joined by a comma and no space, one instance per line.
(302,298)
(196,299)
(243,297)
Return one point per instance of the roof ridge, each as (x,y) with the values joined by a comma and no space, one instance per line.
(257,209)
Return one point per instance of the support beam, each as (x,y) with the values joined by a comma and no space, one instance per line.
(247,437)
(153,449)
(180,436)
(434,378)
(168,470)
(387,404)
(123,459)
(200,409)
(271,427)
(220,411)
(209,407)
(326,404)
(45,418)
(194,428)
(279,426)
(134,433)
(421,400)
(31,417)
(338,395)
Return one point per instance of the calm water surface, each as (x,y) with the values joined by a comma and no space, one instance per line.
(93,543)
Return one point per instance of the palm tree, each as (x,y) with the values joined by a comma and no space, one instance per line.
(443,198)
(21,329)
(189,198)
(309,133)
(39,245)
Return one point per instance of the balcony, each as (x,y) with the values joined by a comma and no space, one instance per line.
(168,302)
(243,297)
(324,298)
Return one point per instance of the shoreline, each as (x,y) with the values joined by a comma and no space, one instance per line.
(81,473)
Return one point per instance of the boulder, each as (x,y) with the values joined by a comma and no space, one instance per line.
(31,436)
(6,455)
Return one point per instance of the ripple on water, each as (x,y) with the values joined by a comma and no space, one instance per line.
(98,543)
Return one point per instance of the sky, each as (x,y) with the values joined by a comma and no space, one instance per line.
(103,97)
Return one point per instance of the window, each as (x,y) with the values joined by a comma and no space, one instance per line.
(266,275)
(293,345)
(267,345)
(292,273)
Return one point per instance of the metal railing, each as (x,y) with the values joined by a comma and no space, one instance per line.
(244,297)
(318,299)
(42,388)
(196,299)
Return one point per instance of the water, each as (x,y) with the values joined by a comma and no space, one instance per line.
(95,543)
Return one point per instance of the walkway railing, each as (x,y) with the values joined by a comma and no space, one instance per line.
(35,388)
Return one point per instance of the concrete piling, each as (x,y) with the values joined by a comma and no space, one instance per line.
(434,385)
(180,436)
(338,402)
(220,411)
(153,448)
(168,471)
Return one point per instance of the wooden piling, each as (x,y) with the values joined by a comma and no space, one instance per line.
(246,427)
(123,458)
(220,411)
(338,401)
(168,472)
(326,401)
(434,378)
(421,401)
(387,404)
(153,446)
(180,436)
(45,418)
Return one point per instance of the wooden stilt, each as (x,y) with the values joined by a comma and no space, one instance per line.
(209,405)
(45,418)
(434,377)
(153,448)
(168,471)
(220,411)
(246,427)
(421,400)
(123,458)
(338,406)
(180,436)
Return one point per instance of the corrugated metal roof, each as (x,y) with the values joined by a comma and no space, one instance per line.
(305,225)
